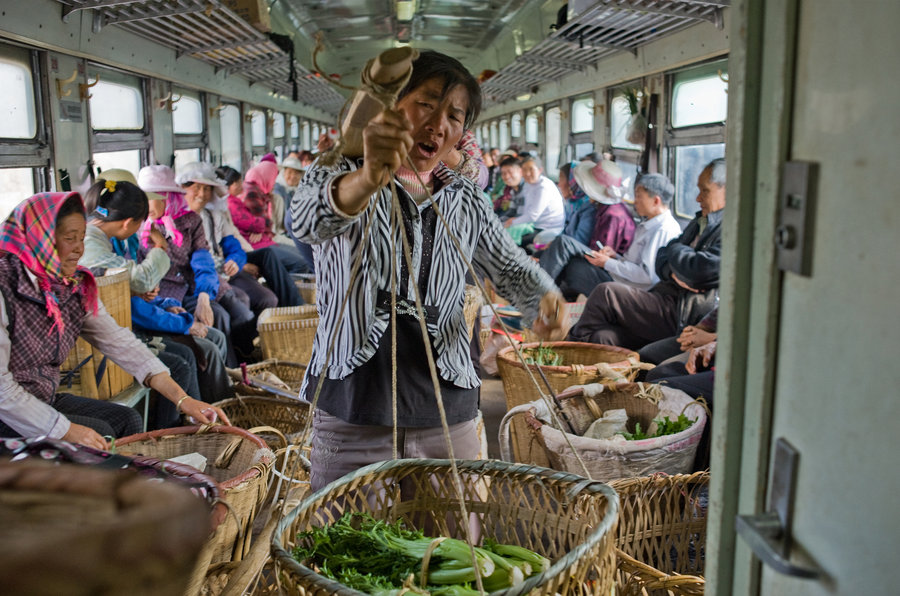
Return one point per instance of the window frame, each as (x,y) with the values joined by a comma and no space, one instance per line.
(193,140)
(105,141)
(35,152)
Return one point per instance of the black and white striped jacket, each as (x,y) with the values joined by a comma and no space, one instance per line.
(337,238)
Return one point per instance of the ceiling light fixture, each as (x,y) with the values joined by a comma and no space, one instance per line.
(406,9)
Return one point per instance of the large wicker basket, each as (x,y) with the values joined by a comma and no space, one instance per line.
(290,373)
(580,360)
(82,531)
(237,459)
(307,289)
(287,333)
(115,294)
(661,540)
(288,416)
(561,516)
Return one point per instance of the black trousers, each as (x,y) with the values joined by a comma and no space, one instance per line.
(108,419)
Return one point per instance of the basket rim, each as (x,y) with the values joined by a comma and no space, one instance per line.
(506,354)
(579,485)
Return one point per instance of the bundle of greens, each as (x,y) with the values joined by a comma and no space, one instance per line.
(664,427)
(378,557)
(542,356)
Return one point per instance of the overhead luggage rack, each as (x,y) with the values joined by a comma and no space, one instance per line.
(218,37)
(608,27)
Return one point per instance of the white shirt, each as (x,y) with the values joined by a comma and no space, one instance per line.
(544,206)
(638,266)
(32,417)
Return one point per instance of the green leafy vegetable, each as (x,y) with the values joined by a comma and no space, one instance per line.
(542,356)
(664,427)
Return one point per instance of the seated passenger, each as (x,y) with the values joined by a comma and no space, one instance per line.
(192,278)
(285,187)
(510,197)
(466,159)
(670,355)
(688,267)
(580,214)
(602,182)
(543,209)
(587,268)
(47,302)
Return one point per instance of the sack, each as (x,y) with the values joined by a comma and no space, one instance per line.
(637,130)
(492,347)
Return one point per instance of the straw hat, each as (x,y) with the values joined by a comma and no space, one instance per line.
(117,175)
(199,171)
(602,182)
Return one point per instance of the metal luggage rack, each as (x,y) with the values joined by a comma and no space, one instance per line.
(218,37)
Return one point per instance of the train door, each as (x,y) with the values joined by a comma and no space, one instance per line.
(808,433)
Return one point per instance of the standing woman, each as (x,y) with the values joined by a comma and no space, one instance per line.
(353,424)
(47,301)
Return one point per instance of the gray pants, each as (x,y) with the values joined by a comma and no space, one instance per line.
(339,448)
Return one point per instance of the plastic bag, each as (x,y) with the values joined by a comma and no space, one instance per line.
(492,346)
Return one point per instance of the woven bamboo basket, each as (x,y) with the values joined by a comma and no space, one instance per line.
(580,368)
(238,460)
(290,373)
(115,293)
(63,523)
(286,333)
(471,307)
(287,416)
(661,539)
(567,519)
(307,290)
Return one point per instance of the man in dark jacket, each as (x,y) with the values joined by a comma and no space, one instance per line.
(688,269)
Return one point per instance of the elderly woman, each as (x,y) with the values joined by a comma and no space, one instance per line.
(354,420)
(47,301)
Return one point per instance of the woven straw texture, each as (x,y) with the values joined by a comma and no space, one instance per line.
(290,373)
(286,415)
(307,290)
(520,389)
(287,333)
(564,517)
(115,293)
(61,523)
(237,459)
(661,540)
(471,307)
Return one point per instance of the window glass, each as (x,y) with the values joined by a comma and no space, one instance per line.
(582,149)
(187,115)
(316,133)
(495,134)
(620,117)
(125,160)
(699,99)
(230,129)
(504,133)
(117,104)
(551,159)
(515,126)
(583,114)
(278,150)
(531,128)
(186,156)
(629,175)
(278,126)
(304,135)
(18,119)
(689,162)
(257,128)
(16,185)
(295,130)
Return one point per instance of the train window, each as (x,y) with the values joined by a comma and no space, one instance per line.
(295,133)
(531,128)
(699,96)
(304,136)
(620,118)
(186,156)
(126,160)
(16,184)
(553,131)
(230,131)
(187,115)
(504,133)
(689,162)
(278,125)
(316,133)
(583,116)
(257,128)
(116,102)
(583,149)
(495,134)
(515,126)
(18,117)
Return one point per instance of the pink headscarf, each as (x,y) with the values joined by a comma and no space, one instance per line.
(176,206)
(29,233)
(263,176)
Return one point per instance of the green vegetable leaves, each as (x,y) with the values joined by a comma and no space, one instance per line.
(542,356)
(664,427)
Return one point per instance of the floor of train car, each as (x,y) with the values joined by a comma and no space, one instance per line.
(493,408)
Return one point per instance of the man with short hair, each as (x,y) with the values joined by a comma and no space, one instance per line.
(543,207)
(507,205)
(688,267)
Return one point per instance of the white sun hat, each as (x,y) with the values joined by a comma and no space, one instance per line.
(602,182)
(199,171)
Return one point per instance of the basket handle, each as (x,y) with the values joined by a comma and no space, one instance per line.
(505,440)
(270,429)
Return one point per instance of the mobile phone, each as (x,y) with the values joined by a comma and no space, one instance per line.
(599,245)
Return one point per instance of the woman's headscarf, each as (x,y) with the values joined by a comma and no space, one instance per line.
(29,233)
(262,176)
(579,197)
(176,206)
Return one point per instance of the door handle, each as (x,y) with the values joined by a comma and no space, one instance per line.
(769,534)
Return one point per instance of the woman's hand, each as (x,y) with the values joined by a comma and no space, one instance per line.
(251,269)
(202,412)
(158,239)
(553,313)
(386,143)
(204,312)
(230,268)
(254,238)
(198,329)
(694,337)
(84,435)
(700,357)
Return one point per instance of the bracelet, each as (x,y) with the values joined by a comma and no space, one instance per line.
(178,405)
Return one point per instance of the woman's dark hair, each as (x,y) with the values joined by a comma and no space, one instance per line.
(564,170)
(71,205)
(228,174)
(434,65)
(115,201)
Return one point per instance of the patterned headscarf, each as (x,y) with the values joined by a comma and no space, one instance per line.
(176,206)
(29,233)
(579,197)
(263,176)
